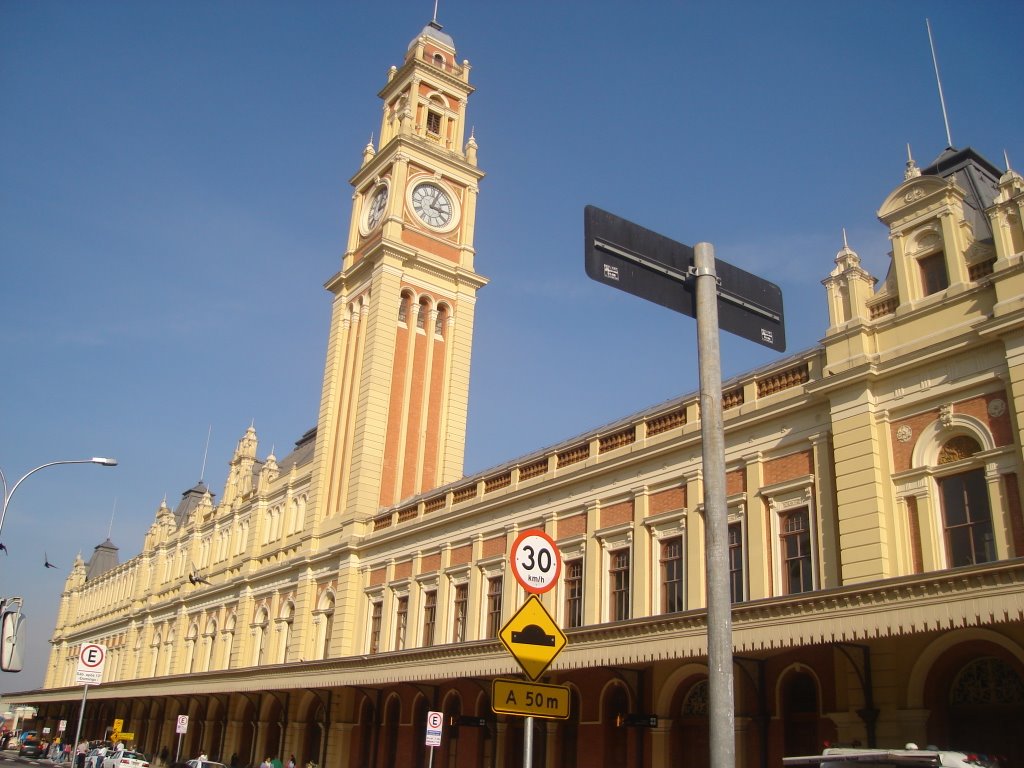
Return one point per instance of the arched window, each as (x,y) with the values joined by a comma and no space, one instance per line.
(421,316)
(259,636)
(227,641)
(285,631)
(441,320)
(168,653)
(325,625)
(191,639)
(155,650)
(209,642)
(967,518)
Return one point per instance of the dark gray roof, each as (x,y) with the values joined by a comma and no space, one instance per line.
(189,501)
(104,558)
(301,454)
(977,176)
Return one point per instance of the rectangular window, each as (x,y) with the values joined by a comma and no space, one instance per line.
(375,615)
(618,578)
(433,122)
(401,621)
(933,273)
(429,616)
(574,593)
(736,591)
(672,575)
(494,587)
(969,538)
(461,607)
(796,552)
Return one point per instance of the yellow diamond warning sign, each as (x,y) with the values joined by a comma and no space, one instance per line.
(533,638)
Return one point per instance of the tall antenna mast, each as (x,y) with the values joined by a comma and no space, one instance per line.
(206,450)
(435,11)
(110,528)
(938,80)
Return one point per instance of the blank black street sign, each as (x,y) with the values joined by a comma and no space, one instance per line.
(626,256)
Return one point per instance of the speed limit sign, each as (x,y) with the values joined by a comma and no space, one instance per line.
(536,563)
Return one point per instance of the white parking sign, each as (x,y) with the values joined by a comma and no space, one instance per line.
(435,722)
(91,659)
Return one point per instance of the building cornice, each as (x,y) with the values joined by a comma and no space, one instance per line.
(987,595)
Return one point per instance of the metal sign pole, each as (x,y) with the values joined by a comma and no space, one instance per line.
(721,713)
(78,731)
(528,743)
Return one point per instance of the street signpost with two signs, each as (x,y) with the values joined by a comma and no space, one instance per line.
(631,258)
(720,296)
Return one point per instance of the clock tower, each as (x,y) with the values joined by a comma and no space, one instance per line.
(396,381)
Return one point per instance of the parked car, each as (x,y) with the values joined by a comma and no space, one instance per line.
(205,764)
(125,758)
(32,747)
(94,757)
(849,757)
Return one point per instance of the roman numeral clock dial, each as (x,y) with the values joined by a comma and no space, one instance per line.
(433,205)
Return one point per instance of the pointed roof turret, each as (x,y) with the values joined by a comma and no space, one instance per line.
(104,558)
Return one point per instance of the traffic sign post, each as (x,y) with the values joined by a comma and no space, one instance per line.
(626,256)
(91,659)
(435,724)
(181,728)
(531,636)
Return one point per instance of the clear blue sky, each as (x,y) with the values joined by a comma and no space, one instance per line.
(174,193)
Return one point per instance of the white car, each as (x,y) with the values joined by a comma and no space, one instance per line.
(125,758)
(848,757)
(94,757)
(205,764)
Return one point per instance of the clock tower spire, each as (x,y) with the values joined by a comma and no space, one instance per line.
(396,381)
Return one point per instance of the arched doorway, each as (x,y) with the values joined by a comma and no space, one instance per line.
(986,709)
(568,733)
(799,709)
(691,744)
(389,732)
(447,755)
(419,726)
(614,706)
(364,733)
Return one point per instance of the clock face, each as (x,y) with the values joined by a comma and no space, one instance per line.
(377,205)
(433,205)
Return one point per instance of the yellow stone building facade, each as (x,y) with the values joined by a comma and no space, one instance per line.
(332,597)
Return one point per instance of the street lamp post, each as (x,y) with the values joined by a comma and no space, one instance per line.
(7,494)
(11,626)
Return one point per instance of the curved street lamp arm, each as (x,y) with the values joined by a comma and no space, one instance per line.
(8,494)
